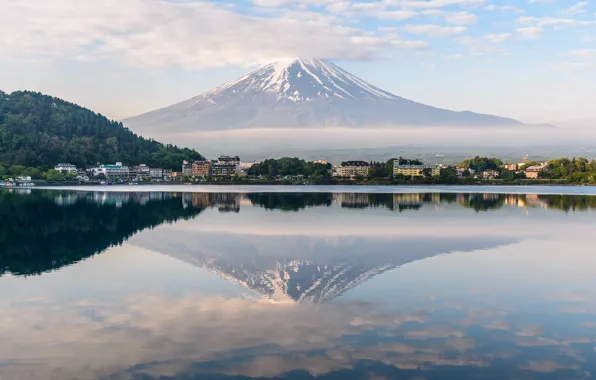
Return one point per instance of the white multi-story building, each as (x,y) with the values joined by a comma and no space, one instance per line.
(156,173)
(66,168)
(112,171)
(353,169)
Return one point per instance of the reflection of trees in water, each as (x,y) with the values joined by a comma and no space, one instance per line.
(290,201)
(43,231)
(485,202)
(569,202)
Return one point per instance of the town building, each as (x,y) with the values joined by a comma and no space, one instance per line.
(490,174)
(177,175)
(414,170)
(156,173)
(140,172)
(167,174)
(201,168)
(353,169)
(533,172)
(186,169)
(66,168)
(223,170)
(235,160)
(243,168)
(111,171)
(512,167)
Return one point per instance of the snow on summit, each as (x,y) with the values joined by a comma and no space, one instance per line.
(301,93)
(299,80)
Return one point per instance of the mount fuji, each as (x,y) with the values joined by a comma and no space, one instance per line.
(302,93)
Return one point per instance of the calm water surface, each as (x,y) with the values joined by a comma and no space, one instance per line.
(171,285)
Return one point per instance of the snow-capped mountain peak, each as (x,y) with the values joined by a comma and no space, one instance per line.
(301,93)
(297,80)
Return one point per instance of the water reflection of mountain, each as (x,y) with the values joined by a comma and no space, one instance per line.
(302,269)
(46,230)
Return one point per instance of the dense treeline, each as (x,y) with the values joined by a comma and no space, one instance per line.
(290,166)
(39,131)
(40,235)
(480,164)
(576,170)
(565,170)
(290,201)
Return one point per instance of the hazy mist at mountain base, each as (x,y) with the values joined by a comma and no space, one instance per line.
(342,143)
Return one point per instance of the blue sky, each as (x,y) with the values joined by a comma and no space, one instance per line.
(532,60)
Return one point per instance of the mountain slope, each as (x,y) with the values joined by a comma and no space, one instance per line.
(40,131)
(302,93)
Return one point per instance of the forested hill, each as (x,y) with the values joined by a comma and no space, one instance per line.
(40,131)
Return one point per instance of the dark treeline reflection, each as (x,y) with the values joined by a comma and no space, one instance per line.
(45,230)
(411,201)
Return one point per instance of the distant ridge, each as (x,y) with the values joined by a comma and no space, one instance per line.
(302,93)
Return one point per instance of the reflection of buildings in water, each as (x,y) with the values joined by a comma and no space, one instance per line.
(512,200)
(414,201)
(117,199)
(491,197)
(354,200)
(533,200)
(525,201)
(225,202)
(68,199)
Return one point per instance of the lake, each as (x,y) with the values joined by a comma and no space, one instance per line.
(297,283)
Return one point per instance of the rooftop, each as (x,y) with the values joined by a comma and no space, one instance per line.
(355,163)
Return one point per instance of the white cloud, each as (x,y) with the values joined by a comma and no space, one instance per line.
(453,57)
(460,18)
(434,30)
(532,32)
(396,15)
(431,4)
(576,9)
(582,52)
(503,8)
(432,12)
(554,21)
(479,46)
(153,33)
(498,38)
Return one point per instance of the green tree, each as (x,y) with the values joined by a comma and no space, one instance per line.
(54,175)
(32,172)
(480,164)
(17,170)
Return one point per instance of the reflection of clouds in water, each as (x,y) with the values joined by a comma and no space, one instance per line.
(528,331)
(498,325)
(159,336)
(547,366)
(571,296)
(105,339)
